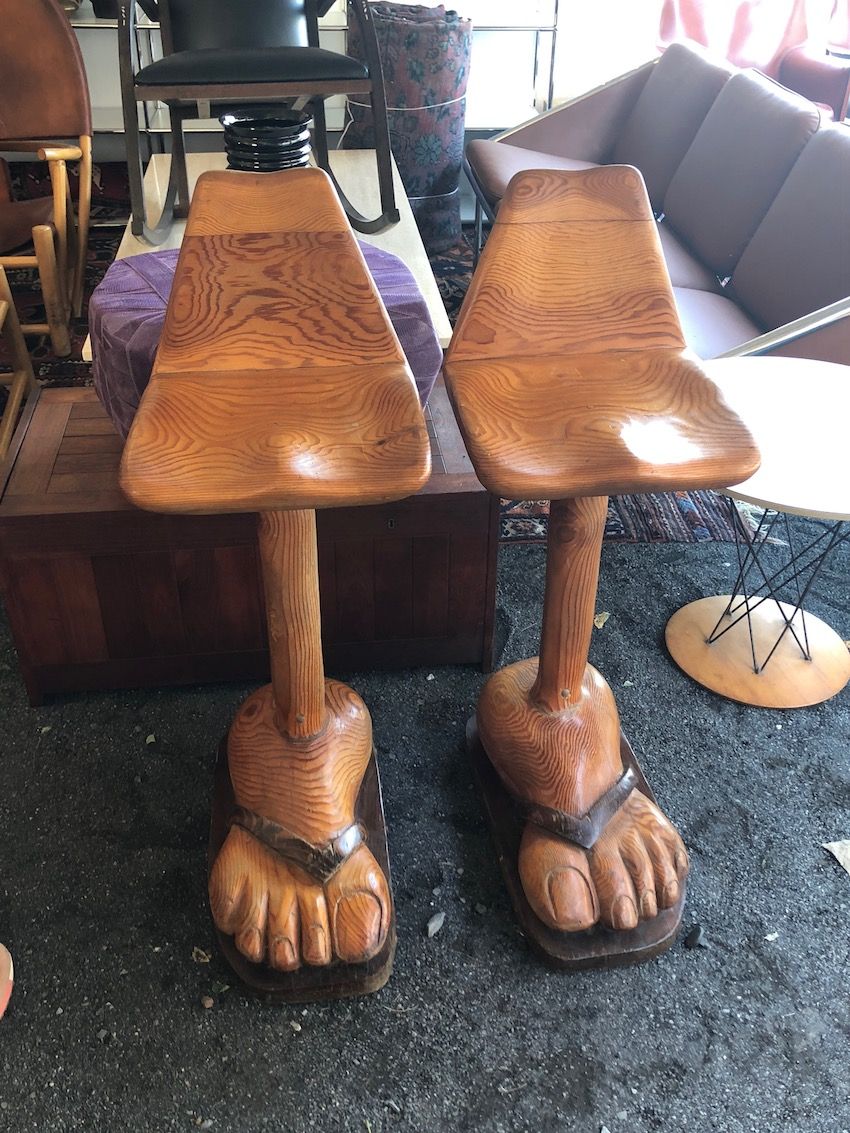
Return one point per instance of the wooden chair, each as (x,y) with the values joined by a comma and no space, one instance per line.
(279,387)
(218,55)
(21,380)
(44,103)
(570,379)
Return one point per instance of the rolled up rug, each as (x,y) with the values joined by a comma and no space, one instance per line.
(425,57)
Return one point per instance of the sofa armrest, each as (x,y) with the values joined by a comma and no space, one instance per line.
(823,334)
(585,127)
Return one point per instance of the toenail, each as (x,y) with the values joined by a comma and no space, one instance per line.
(625,913)
(648,907)
(317,937)
(572,898)
(671,894)
(284,952)
(681,860)
(252,942)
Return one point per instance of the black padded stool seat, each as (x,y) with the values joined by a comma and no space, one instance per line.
(251,65)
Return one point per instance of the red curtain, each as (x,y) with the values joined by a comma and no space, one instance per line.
(755,33)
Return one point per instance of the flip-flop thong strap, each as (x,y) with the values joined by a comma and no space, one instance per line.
(583,830)
(321,862)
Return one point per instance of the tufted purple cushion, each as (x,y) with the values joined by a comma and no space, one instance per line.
(127,311)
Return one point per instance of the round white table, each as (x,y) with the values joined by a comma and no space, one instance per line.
(752,646)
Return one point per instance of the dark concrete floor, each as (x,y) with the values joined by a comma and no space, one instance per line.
(102,902)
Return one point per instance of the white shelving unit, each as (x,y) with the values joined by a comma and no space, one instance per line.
(513,56)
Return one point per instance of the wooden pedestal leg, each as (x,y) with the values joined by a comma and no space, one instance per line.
(294,882)
(550,727)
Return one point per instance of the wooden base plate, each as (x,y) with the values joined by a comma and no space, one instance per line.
(309,984)
(726,665)
(598,947)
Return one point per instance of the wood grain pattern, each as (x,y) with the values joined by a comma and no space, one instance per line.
(572,572)
(279,382)
(570,381)
(291,581)
(568,369)
(224,202)
(280,300)
(266,440)
(280,386)
(199,580)
(725,665)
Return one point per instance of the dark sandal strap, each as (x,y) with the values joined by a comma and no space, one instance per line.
(584,830)
(321,862)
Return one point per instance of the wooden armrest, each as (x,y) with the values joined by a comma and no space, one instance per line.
(568,369)
(50,152)
(279,381)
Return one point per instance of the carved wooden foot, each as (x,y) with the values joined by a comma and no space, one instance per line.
(294,881)
(335,905)
(551,730)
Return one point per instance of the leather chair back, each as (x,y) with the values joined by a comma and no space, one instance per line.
(742,153)
(44,92)
(193,25)
(799,258)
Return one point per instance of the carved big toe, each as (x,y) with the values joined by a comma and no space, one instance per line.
(635,868)
(279,915)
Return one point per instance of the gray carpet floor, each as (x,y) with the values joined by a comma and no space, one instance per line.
(102,902)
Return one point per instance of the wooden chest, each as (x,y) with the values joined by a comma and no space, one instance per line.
(101,595)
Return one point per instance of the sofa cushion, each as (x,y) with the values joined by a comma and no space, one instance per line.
(495,163)
(799,258)
(712,324)
(684,268)
(671,107)
(742,153)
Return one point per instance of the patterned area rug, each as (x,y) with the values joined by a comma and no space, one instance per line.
(683,517)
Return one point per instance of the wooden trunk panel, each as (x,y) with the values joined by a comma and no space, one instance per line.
(101,595)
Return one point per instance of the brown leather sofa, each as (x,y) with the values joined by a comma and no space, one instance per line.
(750,186)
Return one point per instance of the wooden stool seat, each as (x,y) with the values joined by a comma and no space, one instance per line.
(279,382)
(568,367)
(595,424)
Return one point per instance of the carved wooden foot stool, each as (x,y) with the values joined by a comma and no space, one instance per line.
(569,378)
(280,387)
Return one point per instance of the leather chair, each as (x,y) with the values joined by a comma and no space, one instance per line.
(218,54)
(825,79)
(44,102)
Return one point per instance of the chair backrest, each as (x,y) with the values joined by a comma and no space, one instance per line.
(799,258)
(670,109)
(44,92)
(192,25)
(742,152)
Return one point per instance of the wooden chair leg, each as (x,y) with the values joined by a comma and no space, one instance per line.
(52,290)
(61,196)
(22,380)
(83,221)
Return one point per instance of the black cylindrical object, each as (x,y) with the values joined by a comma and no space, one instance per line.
(262,143)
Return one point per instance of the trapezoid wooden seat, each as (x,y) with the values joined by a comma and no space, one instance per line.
(279,386)
(568,368)
(570,380)
(279,382)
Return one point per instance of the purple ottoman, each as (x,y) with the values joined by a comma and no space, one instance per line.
(127,310)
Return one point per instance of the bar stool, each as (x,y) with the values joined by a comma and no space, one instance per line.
(570,380)
(280,387)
